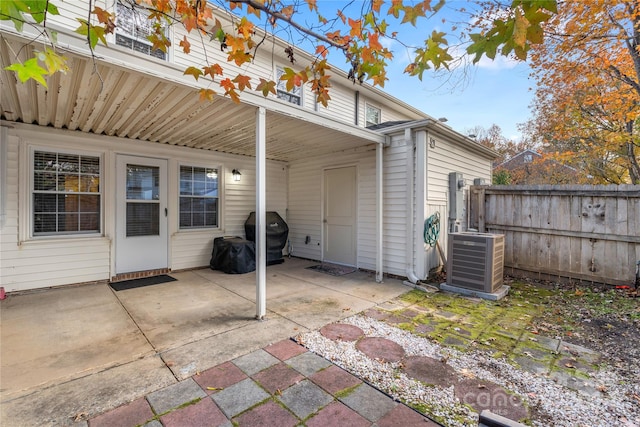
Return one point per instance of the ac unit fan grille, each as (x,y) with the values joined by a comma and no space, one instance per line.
(476,261)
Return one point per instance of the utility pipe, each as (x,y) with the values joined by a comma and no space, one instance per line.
(420,211)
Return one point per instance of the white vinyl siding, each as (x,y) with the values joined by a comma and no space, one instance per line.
(192,248)
(55,261)
(452,157)
(442,159)
(341,106)
(305,204)
(45,263)
(396,216)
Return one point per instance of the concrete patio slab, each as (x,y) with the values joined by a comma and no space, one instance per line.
(317,307)
(62,334)
(78,351)
(61,404)
(197,356)
(175,313)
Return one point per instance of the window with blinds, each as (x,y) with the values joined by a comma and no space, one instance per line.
(133,29)
(294,96)
(66,193)
(198,197)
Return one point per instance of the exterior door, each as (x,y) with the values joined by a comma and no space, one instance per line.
(141,214)
(339,245)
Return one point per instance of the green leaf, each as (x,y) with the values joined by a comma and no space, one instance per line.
(29,70)
(193,71)
(13,10)
(95,33)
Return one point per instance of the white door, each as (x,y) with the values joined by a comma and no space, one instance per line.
(339,245)
(141,214)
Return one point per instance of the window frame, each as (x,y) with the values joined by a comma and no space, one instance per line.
(281,87)
(218,198)
(31,191)
(118,32)
(368,107)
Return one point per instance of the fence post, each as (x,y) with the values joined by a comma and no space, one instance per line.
(481,210)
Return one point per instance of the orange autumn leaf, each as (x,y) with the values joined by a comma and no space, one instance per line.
(242,81)
(206,94)
(185,45)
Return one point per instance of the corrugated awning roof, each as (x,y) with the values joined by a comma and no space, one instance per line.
(107,98)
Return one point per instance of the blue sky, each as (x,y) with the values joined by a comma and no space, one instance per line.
(493,92)
(490,92)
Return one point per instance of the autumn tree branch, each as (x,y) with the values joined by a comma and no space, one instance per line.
(282,17)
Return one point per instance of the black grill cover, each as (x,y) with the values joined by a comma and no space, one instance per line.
(277,234)
(233,255)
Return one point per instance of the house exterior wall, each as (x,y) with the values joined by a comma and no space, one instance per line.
(305,198)
(396,215)
(342,106)
(448,156)
(29,263)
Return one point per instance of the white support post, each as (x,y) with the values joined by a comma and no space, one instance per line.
(261,215)
(379,212)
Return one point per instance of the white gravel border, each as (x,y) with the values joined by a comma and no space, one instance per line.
(562,405)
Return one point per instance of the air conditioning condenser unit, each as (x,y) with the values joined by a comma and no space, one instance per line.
(476,261)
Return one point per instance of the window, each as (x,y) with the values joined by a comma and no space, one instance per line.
(198,197)
(66,193)
(372,116)
(528,158)
(294,97)
(132,30)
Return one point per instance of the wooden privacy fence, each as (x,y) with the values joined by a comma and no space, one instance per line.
(584,232)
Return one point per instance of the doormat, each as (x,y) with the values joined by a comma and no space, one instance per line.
(333,269)
(139,283)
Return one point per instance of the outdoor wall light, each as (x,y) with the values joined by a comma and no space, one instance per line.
(236,175)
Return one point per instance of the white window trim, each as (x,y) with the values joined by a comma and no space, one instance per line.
(374,107)
(26,212)
(221,181)
(302,100)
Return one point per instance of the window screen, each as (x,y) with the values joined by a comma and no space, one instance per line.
(294,96)
(66,193)
(198,197)
(372,116)
(133,29)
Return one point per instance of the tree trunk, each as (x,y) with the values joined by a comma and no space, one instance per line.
(634,167)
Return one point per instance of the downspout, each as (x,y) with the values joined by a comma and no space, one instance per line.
(357,108)
(411,275)
(421,180)
(379,211)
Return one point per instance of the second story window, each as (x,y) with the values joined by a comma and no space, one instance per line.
(132,30)
(528,158)
(372,116)
(294,96)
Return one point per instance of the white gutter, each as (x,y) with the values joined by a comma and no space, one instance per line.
(443,130)
(379,213)
(411,275)
(261,215)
